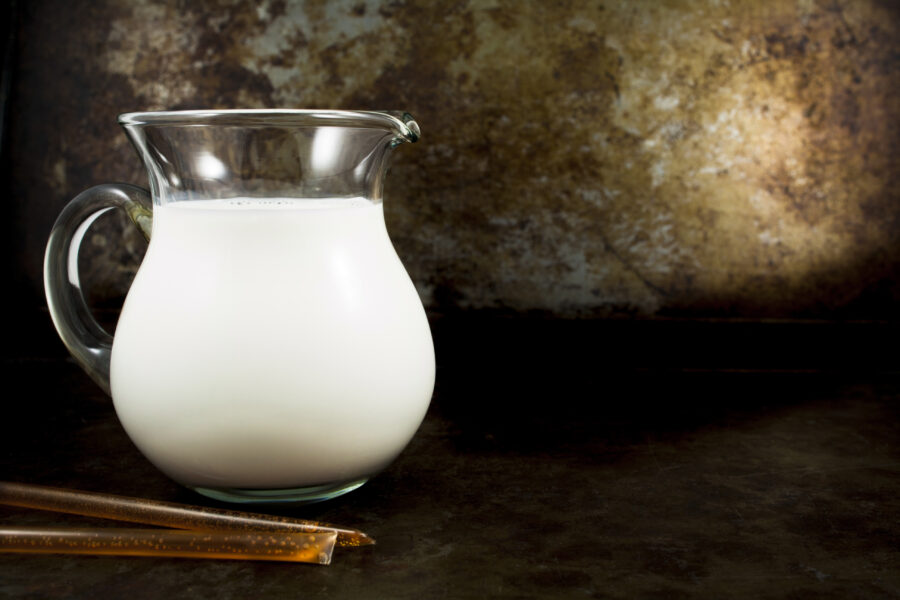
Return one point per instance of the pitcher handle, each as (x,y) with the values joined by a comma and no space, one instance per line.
(87,341)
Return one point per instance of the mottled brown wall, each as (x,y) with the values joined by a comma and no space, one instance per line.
(705,158)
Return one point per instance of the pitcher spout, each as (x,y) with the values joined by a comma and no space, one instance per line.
(407,129)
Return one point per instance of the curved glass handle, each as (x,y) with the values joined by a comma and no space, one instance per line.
(88,342)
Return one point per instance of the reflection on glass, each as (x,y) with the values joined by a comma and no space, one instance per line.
(326,149)
(210,167)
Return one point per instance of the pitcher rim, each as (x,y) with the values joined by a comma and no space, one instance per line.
(401,123)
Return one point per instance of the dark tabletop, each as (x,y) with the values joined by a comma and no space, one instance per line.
(530,478)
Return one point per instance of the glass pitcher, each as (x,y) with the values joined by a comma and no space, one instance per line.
(272,347)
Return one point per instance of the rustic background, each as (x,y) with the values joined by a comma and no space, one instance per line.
(689,159)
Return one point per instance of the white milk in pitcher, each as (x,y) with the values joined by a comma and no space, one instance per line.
(271,344)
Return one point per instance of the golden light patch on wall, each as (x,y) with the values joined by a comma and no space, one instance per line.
(755,191)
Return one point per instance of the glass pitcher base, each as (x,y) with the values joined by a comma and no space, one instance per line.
(298,495)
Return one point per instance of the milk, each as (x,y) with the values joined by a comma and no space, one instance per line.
(271,344)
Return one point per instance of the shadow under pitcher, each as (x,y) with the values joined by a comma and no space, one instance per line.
(272,347)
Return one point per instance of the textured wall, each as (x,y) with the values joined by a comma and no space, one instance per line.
(706,158)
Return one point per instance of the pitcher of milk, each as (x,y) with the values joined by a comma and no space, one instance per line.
(272,347)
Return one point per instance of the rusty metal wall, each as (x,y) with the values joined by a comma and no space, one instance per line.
(653,158)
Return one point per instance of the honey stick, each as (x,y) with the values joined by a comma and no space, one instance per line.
(165,514)
(314,548)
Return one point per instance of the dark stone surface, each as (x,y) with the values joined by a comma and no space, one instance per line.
(569,481)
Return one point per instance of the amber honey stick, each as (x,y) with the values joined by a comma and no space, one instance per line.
(245,545)
(165,514)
